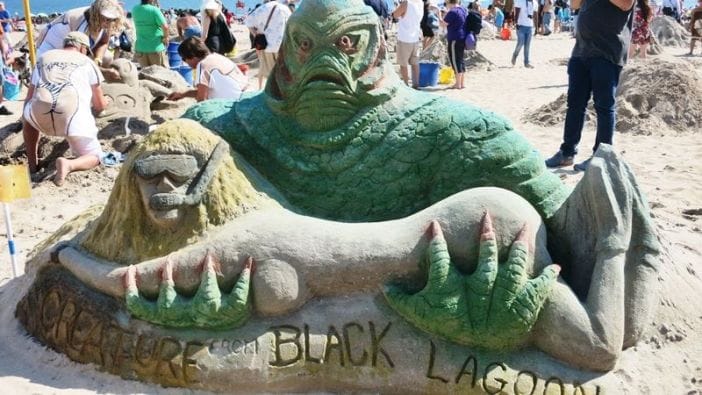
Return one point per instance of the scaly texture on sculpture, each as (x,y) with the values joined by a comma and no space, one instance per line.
(495,307)
(208,309)
(341,138)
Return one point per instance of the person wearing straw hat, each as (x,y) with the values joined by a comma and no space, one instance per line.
(101,20)
(65,85)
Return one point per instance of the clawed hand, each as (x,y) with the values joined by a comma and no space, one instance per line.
(495,307)
(209,308)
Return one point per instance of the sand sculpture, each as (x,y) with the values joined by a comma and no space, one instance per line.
(364,236)
(136,91)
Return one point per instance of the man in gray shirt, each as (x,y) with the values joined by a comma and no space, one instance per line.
(601,46)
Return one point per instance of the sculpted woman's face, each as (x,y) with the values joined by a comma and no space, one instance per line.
(163,181)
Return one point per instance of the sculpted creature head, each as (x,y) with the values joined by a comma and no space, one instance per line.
(178,182)
(331,64)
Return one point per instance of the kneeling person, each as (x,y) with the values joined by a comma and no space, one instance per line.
(216,77)
(65,83)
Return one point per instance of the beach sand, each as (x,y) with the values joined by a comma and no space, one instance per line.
(668,168)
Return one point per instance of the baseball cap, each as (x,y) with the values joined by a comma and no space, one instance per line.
(77,38)
(211,5)
(111,12)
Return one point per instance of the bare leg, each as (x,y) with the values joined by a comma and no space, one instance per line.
(642,50)
(415,75)
(31,143)
(404,74)
(66,166)
(692,45)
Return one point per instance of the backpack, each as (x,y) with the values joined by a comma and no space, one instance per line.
(228,41)
(474,22)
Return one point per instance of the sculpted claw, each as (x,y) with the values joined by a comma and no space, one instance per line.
(209,308)
(495,307)
(435,229)
(487,232)
(129,278)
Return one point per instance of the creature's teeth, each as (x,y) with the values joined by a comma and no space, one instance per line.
(487,232)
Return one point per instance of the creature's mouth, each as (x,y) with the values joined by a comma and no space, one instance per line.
(326,77)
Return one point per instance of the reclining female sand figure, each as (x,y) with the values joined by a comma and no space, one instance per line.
(497,252)
(341,141)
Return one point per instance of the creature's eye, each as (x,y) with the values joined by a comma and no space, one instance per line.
(303,42)
(347,43)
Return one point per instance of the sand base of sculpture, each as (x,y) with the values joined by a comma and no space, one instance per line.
(350,343)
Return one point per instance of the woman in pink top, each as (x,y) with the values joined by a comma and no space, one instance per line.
(216,76)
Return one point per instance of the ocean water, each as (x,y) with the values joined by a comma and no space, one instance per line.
(51,6)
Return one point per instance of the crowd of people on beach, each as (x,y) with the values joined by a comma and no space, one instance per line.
(75,51)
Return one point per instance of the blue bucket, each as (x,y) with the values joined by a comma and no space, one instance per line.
(429,74)
(174,59)
(186,72)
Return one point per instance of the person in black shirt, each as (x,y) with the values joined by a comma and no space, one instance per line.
(602,42)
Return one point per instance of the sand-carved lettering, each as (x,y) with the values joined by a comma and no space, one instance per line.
(92,346)
(556,381)
(49,307)
(347,344)
(376,347)
(489,388)
(168,349)
(518,389)
(308,348)
(473,371)
(150,356)
(430,368)
(189,364)
(334,343)
(279,341)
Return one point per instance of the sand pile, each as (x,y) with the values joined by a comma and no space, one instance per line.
(669,33)
(654,97)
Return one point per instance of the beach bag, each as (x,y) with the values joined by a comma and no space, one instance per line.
(505,34)
(227,41)
(471,41)
(260,41)
(474,22)
(125,44)
(10,84)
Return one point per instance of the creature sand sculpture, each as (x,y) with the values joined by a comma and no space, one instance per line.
(363,237)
